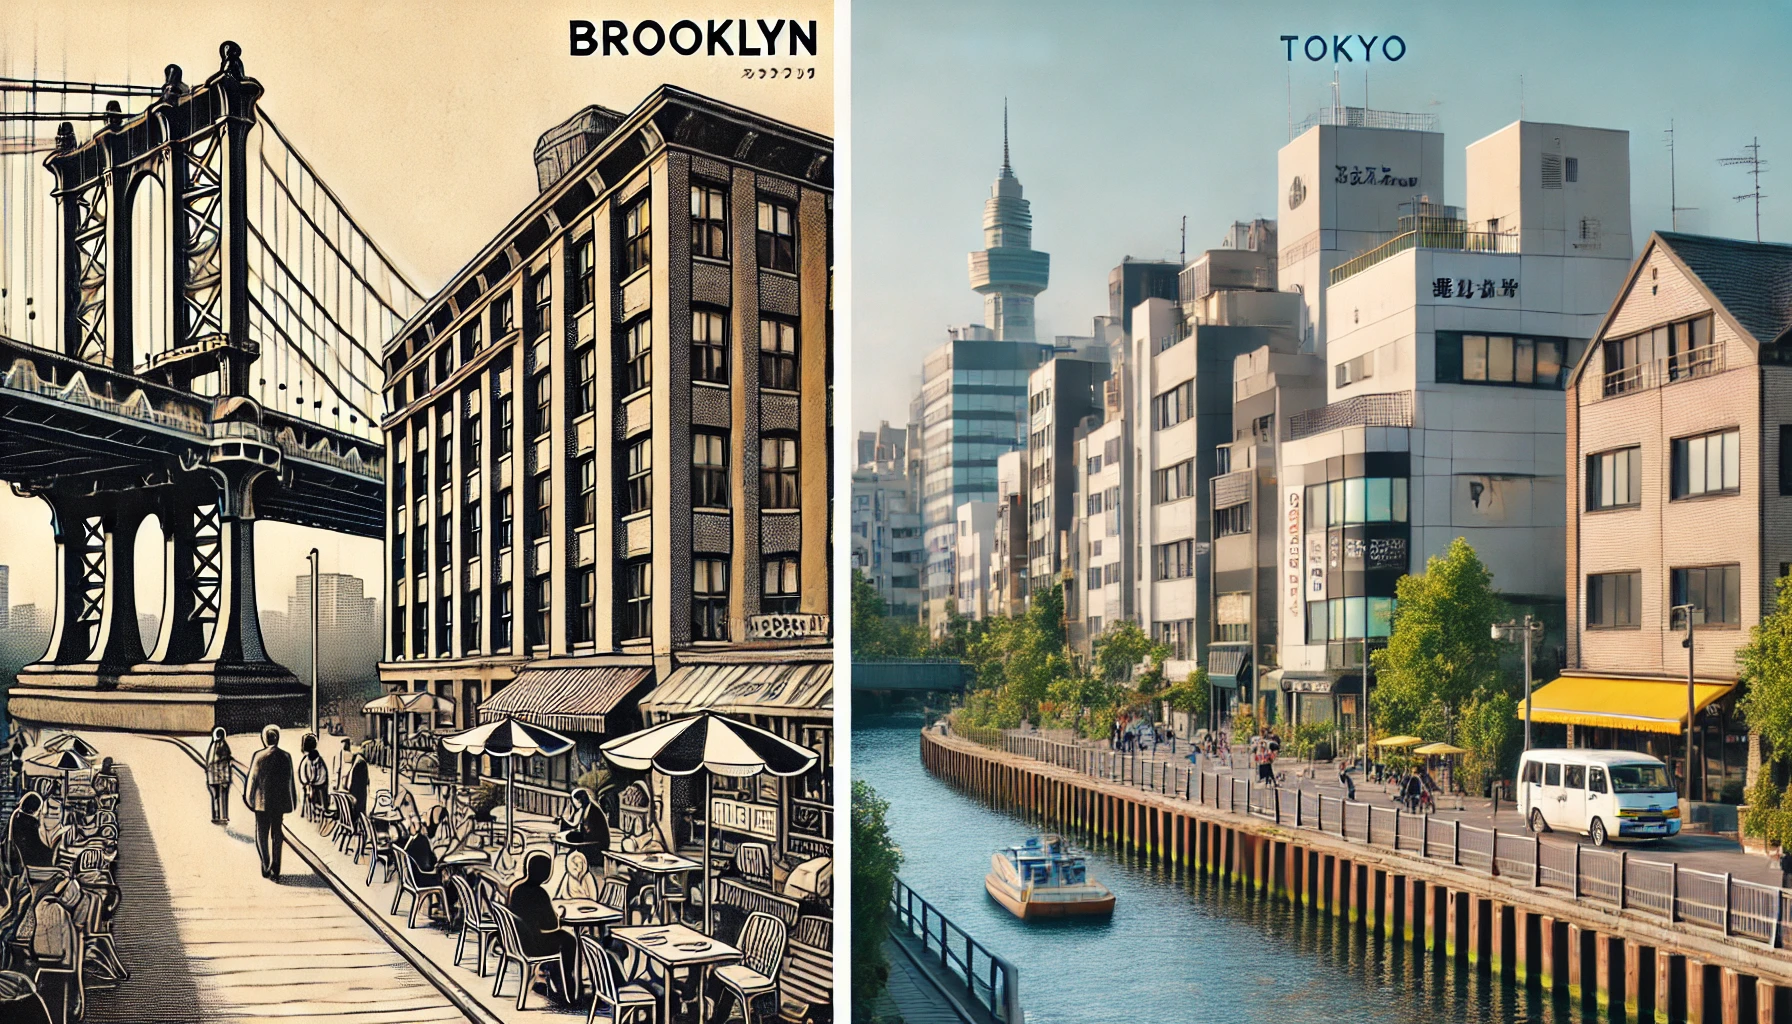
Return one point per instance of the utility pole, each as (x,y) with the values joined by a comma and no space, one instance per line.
(1674,207)
(1755,166)
(1523,632)
(1691,701)
(312,558)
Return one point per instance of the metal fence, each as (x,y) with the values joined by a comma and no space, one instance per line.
(1388,409)
(993,982)
(1612,878)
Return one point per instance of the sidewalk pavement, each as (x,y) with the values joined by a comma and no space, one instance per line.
(207,938)
(1698,851)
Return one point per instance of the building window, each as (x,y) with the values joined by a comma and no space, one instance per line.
(475,442)
(1174,405)
(1173,561)
(1230,522)
(584,625)
(637,352)
(638,476)
(506,518)
(445,628)
(474,527)
(1715,593)
(470,622)
(1615,479)
(470,339)
(1350,618)
(777,472)
(587,490)
(709,470)
(779,594)
(420,629)
(1376,499)
(398,633)
(709,221)
(1173,484)
(544,506)
(1178,636)
(543,611)
(777,355)
(637,239)
(777,237)
(1660,355)
(503,315)
(1503,359)
(541,292)
(709,346)
(505,613)
(506,423)
(544,402)
(584,272)
(637,618)
(709,599)
(587,371)
(444,547)
(1707,464)
(1614,600)
(1786,458)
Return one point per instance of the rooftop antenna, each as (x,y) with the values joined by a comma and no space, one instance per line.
(1521,96)
(1007,171)
(1755,166)
(1184,238)
(1673,201)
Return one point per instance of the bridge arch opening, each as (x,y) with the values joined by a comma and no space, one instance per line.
(148,553)
(152,319)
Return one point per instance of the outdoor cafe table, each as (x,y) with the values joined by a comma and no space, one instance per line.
(676,947)
(659,865)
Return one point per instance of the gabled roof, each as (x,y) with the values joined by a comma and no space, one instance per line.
(1753,280)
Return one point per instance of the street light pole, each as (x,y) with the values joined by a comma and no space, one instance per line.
(313,559)
(1691,702)
(1506,631)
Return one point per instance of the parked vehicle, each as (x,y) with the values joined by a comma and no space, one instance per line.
(1602,794)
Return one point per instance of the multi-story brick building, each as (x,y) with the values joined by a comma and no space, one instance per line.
(609,448)
(1678,423)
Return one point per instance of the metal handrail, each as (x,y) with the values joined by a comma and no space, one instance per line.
(1608,878)
(993,982)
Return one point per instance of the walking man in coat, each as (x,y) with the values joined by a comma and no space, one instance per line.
(271,794)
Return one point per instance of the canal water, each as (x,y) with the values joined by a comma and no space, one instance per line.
(1179,947)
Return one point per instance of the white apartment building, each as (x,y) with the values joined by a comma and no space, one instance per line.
(886,534)
(1447,349)
(976,543)
(1105,565)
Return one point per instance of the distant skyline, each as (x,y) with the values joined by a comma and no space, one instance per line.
(1126,118)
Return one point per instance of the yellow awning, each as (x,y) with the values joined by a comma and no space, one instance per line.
(1646,705)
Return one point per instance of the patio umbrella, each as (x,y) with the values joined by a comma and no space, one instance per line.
(1441,749)
(1399,741)
(714,744)
(390,704)
(420,703)
(64,761)
(508,738)
(70,741)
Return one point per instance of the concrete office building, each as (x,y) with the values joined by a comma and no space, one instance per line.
(609,487)
(976,549)
(1447,349)
(886,530)
(1102,529)
(1062,394)
(1134,281)
(1679,428)
(1008,551)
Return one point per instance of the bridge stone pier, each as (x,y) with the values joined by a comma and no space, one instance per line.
(162,404)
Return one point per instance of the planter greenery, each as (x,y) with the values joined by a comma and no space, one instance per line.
(875,859)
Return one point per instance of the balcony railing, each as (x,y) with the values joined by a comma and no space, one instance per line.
(1704,361)
(1442,237)
(1390,409)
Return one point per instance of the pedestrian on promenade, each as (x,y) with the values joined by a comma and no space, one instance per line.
(357,783)
(345,759)
(1344,779)
(314,775)
(1785,861)
(217,776)
(271,794)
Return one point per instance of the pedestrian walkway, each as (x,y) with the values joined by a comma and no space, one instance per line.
(911,994)
(207,938)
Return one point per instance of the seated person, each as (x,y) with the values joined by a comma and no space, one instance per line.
(24,835)
(586,828)
(539,923)
(577,883)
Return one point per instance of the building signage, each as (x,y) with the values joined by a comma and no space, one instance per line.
(1392,48)
(1316,567)
(1293,568)
(1386,553)
(1354,175)
(1470,288)
(739,816)
(1297,192)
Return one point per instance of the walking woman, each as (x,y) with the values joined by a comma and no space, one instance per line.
(314,777)
(217,776)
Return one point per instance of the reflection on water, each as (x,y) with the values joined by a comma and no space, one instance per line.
(1179,947)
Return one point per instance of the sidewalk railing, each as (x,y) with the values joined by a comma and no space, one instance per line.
(993,982)
(1612,878)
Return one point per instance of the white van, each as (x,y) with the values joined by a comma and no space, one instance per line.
(1591,791)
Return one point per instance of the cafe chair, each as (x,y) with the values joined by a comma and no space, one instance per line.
(762,941)
(620,1004)
(476,919)
(755,863)
(510,950)
(407,886)
(380,848)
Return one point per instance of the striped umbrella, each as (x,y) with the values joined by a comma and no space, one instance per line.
(508,738)
(70,741)
(712,743)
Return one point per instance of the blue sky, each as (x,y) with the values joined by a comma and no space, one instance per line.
(1126,118)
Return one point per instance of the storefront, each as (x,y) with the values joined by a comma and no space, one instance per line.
(1649,715)
(588,704)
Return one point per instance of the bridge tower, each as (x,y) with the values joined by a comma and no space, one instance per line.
(208,665)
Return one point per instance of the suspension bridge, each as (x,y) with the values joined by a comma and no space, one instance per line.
(190,323)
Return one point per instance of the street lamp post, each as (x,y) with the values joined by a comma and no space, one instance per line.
(312,558)
(1512,631)
(1686,612)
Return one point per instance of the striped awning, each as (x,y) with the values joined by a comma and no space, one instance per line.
(803,689)
(1223,664)
(566,699)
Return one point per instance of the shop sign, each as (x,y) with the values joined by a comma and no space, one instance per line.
(739,816)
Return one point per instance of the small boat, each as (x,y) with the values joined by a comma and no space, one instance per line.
(1042,878)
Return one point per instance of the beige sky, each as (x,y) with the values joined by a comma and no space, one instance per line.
(421,116)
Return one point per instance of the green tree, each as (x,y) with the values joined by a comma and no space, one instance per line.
(1121,647)
(875,860)
(1766,662)
(1193,696)
(874,633)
